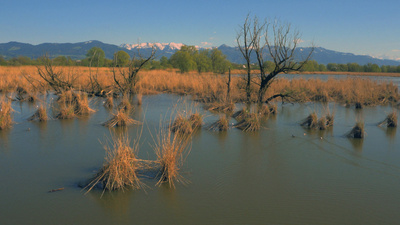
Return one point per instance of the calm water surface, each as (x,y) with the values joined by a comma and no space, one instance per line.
(266,177)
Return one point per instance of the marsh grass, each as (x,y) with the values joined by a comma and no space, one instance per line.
(139,98)
(196,120)
(241,114)
(357,131)
(6,120)
(222,124)
(390,120)
(40,114)
(109,103)
(121,166)
(171,151)
(181,125)
(249,123)
(311,121)
(212,88)
(121,119)
(220,106)
(125,104)
(66,111)
(82,104)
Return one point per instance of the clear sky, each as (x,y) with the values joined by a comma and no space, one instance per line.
(355,26)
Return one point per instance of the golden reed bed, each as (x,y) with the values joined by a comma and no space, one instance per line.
(210,87)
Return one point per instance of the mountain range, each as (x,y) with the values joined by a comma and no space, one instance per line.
(79,50)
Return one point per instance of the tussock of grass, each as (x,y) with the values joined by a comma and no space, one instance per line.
(40,114)
(171,151)
(251,122)
(120,119)
(182,125)
(357,131)
(109,103)
(139,98)
(222,124)
(266,110)
(125,104)
(120,169)
(82,105)
(5,114)
(310,121)
(218,106)
(241,114)
(67,111)
(196,120)
(390,120)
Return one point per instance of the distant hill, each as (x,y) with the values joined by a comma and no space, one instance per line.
(79,50)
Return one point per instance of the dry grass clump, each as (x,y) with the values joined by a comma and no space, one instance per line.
(66,111)
(82,105)
(251,122)
(76,101)
(171,151)
(139,98)
(109,103)
(310,121)
(5,114)
(357,131)
(40,115)
(266,110)
(120,119)
(125,104)
(196,120)
(390,120)
(222,124)
(120,169)
(241,114)
(220,106)
(182,125)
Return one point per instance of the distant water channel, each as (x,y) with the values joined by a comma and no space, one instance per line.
(395,80)
(283,174)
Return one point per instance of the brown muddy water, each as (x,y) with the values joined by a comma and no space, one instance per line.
(265,177)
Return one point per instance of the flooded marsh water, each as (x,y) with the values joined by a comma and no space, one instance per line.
(282,174)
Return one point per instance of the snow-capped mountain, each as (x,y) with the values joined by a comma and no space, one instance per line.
(160,46)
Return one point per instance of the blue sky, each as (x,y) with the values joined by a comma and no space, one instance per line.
(359,26)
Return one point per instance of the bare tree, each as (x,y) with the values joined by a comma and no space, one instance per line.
(244,42)
(57,79)
(126,80)
(278,41)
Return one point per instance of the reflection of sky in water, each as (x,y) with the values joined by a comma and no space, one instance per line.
(283,174)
